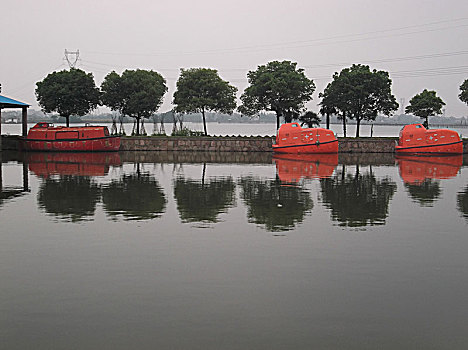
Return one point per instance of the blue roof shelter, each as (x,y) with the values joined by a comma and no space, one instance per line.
(6,102)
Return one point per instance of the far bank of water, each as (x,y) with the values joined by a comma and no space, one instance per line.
(245,129)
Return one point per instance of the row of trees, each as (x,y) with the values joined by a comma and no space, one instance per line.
(280,87)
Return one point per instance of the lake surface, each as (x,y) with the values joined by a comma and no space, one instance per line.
(244,129)
(233,251)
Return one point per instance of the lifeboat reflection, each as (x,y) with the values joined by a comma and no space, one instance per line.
(292,168)
(44,164)
(416,169)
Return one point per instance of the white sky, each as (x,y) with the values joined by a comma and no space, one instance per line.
(423,44)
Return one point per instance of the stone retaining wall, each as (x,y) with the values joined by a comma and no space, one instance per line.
(211,144)
(235,144)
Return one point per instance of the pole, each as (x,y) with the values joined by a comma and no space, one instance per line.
(25,121)
(0,129)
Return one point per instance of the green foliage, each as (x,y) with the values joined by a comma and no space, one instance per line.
(279,87)
(187,132)
(200,90)
(68,92)
(464,92)
(136,93)
(359,93)
(309,118)
(425,104)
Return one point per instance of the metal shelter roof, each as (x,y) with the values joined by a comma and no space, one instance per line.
(6,102)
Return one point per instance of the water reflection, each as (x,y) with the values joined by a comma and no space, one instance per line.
(357,199)
(421,174)
(415,169)
(69,197)
(45,164)
(275,206)
(134,197)
(8,193)
(291,168)
(462,202)
(203,200)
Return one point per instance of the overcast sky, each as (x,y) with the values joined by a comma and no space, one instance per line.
(423,44)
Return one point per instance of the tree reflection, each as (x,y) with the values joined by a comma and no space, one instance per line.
(70,198)
(278,208)
(134,197)
(359,199)
(462,202)
(425,193)
(203,201)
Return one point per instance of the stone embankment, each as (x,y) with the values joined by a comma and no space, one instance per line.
(208,144)
(235,144)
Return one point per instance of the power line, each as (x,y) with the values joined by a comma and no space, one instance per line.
(306,43)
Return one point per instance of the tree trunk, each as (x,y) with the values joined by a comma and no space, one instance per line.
(138,125)
(358,124)
(278,116)
(328,121)
(344,124)
(204,122)
(67,120)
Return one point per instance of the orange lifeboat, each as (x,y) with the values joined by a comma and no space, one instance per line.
(415,138)
(47,137)
(291,138)
(292,168)
(416,169)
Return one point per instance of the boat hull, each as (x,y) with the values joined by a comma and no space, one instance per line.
(104,144)
(447,148)
(311,148)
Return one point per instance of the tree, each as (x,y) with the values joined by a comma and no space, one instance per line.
(327,112)
(464,92)
(360,94)
(200,90)
(309,118)
(136,93)
(425,104)
(329,105)
(68,92)
(278,87)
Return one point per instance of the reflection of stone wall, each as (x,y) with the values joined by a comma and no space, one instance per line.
(367,145)
(366,158)
(197,157)
(211,144)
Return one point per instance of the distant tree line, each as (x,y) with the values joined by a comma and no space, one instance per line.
(356,93)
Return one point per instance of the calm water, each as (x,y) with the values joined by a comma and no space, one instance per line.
(264,129)
(233,251)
